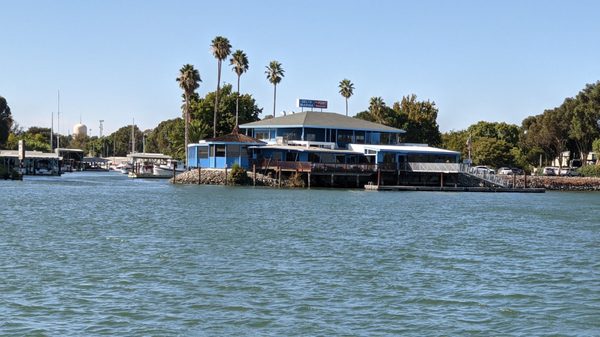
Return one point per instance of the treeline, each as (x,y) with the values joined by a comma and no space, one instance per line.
(167,137)
(573,126)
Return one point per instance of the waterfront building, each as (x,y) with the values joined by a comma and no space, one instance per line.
(222,152)
(34,163)
(326,144)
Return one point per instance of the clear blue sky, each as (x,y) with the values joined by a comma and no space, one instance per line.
(118,60)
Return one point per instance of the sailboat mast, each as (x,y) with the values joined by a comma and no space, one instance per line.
(58,122)
(52,132)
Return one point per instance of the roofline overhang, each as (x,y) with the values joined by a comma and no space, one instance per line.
(317,127)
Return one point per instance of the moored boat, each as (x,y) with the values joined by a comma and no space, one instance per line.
(166,170)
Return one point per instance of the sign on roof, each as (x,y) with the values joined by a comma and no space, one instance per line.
(311,103)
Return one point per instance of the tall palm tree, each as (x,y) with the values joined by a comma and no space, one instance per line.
(377,109)
(221,49)
(347,90)
(274,75)
(189,80)
(239,61)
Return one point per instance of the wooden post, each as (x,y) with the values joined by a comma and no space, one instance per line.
(332,179)
(525,179)
(397,177)
(174,173)
(308,179)
(378,176)
(199,175)
(442,180)
(514,180)
(357,181)
(254,174)
(279,180)
(225,175)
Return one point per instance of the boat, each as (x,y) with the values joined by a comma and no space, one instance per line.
(124,167)
(166,170)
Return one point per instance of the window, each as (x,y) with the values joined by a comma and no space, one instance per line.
(314,135)
(344,137)
(385,138)
(262,134)
(360,137)
(233,151)
(290,133)
(220,151)
(202,152)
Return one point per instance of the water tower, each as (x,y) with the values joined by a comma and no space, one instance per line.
(79,130)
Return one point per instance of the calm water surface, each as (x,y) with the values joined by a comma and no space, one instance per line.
(99,254)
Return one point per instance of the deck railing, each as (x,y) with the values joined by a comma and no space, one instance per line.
(436,167)
(299,166)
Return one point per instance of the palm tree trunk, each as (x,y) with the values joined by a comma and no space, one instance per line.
(346,107)
(217,98)
(274,98)
(237,104)
(187,121)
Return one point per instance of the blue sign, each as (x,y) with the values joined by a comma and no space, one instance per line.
(310,103)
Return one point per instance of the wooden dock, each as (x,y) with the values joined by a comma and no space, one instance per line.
(454,189)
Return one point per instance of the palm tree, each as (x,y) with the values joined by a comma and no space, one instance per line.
(239,61)
(189,80)
(221,49)
(347,90)
(274,75)
(377,109)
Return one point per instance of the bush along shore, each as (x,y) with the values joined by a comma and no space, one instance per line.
(556,183)
(234,176)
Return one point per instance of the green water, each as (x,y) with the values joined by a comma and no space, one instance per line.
(90,254)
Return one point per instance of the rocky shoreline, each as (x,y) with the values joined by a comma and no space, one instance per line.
(551,183)
(221,177)
(554,183)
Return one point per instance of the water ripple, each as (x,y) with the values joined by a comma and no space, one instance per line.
(99,254)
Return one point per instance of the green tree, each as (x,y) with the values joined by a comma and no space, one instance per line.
(378,109)
(596,149)
(6,121)
(456,141)
(121,140)
(189,80)
(491,151)
(274,75)
(248,110)
(585,116)
(418,119)
(346,90)
(240,64)
(221,49)
(166,137)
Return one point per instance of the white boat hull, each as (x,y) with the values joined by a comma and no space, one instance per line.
(165,171)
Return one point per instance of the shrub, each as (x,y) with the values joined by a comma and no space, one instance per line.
(590,171)
(237,175)
(296,180)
